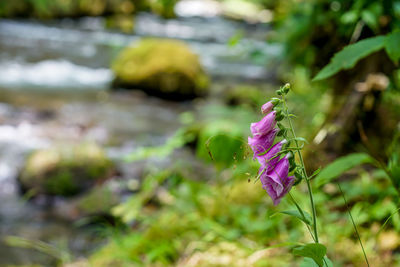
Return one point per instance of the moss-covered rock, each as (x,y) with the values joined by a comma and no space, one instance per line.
(166,68)
(66,170)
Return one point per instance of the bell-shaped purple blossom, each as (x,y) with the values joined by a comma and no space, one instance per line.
(276,182)
(264,126)
(267,107)
(261,144)
(274,171)
(270,159)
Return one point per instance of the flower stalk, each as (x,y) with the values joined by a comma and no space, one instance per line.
(278,160)
(309,188)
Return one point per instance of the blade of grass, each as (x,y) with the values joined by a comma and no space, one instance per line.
(354,224)
(387,220)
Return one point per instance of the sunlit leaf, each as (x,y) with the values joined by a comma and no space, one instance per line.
(314,251)
(349,17)
(370,19)
(340,166)
(350,55)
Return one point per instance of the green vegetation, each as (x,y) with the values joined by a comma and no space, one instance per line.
(65,170)
(166,68)
(342,59)
(227,221)
(46,9)
(313,31)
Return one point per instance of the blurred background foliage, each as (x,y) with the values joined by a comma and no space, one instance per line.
(46,9)
(192,198)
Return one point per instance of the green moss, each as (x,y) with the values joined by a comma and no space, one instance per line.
(65,170)
(162,67)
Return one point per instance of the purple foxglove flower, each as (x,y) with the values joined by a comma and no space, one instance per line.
(270,159)
(267,107)
(276,182)
(264,126)
(261,144)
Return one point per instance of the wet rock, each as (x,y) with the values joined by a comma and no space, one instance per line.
(66,170)
(166,68)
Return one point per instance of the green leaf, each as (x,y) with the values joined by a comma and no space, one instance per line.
(394,172)
(285,244)
(316,172)
(370,19)
(308,262)
(301,139)
(350,55)
(295,213)
(349,17)
(341,165)
(392,46)
(314,251)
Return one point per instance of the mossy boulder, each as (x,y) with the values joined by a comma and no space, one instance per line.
(166,68)
(66,170)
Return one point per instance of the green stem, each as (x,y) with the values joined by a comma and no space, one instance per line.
(314,213)
(302,215)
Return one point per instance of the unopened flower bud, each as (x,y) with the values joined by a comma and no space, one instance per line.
(286,88)
(264,126)
(267,107)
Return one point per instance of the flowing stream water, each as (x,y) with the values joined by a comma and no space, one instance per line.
(54,87)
